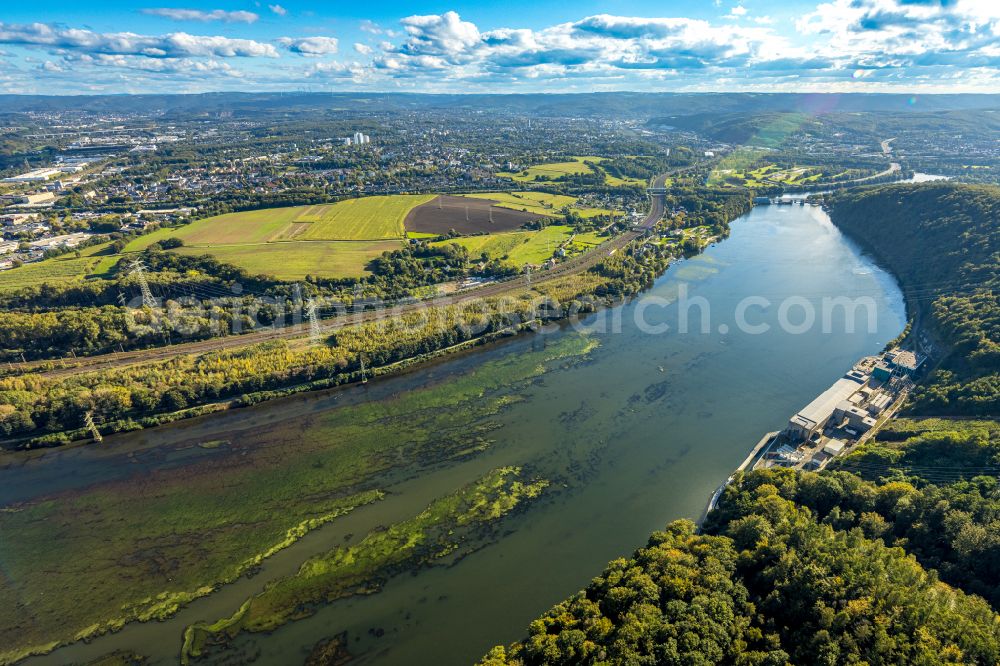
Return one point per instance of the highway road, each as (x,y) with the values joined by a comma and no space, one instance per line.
(66,367)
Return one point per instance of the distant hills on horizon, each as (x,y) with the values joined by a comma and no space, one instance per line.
(597,104)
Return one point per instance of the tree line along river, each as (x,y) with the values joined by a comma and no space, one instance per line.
(630,423)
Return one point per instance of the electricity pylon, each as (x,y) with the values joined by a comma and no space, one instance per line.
(137,269)
(314,330)
(88,420)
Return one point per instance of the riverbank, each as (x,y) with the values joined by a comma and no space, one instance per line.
(619,269)
(637,427)
(196,533)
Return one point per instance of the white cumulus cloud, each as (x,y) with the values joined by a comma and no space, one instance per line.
(177,44)
(179,14)
(311,46)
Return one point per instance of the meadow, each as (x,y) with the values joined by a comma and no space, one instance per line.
(291,260)
(615,181)
(63,269)
(367,218)
(552,171)
(744,175)
(326,240)
(576,166)
(541,203)
(528,247)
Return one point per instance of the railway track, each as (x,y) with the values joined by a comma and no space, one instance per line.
(115,360)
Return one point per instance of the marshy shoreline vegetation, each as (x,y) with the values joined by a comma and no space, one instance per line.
(190,534)
(763,519)
(40,410)
(303,366)
(447,529)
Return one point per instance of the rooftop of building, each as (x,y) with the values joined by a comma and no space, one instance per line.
(822,407)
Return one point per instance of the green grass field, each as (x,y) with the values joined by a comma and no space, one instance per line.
(554,170)
(541,172)
(59,270)
(527,247)
(327,240)
(615,181)
(330,240)
(541,203)
(368,218)
(740,174)
(292,260)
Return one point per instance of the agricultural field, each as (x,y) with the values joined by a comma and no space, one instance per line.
(368,218)
(528,247)
(327,240)
(553,171)
(468,215)
(576,166)
(291,260)
(63,269)
(542,203)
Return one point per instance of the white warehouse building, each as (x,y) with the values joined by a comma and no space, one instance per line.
(814,416)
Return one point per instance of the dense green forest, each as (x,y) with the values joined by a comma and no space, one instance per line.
(942,241)
(835,567)
(889,556)
(213,298)
(36,409)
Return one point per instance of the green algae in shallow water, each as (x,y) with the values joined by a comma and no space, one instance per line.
(140,547)
(158,585)
(443,528)
(119,658)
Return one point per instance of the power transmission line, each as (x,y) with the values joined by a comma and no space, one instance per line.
(315,334)
(137,268)
(88,420)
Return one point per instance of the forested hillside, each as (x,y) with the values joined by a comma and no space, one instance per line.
(889,556)
(882,564)
(942,241)
(771,581)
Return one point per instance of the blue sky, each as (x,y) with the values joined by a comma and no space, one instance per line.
(63,47)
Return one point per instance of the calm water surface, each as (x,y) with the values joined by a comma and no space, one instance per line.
(642,434)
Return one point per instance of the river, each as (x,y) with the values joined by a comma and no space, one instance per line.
(642,432)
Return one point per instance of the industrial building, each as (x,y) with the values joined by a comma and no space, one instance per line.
(905,362)
(35,176)
(814,416)
(834,447)
(858,418)
(882,372)
(879,403)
